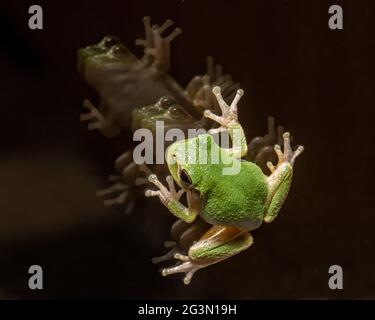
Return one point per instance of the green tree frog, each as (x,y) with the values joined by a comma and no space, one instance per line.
(234,204)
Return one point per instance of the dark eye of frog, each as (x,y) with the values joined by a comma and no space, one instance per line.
(166,102)
(109,41)
(177,113)
(185,179)
(119,50)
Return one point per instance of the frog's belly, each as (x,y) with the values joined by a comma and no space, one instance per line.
(243,220)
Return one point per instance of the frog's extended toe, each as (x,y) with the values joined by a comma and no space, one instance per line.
(97,121)
(117,193)
(164,194)
(143,180)
(209,114)
(95,118)
(152,193)
(174,249)
(287,155)
(154,179)
(172,189)
(120,199)
(188,267)
(165,257)
(117,186)
(271,166)
(296,154)
(155,45)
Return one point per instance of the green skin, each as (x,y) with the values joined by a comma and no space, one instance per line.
(243,200)
(233,204)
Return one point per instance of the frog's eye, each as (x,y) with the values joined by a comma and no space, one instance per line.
(177,113)
(166,102)
(109,41)
(119,50)
(185,179)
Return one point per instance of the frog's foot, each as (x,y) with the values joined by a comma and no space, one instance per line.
(286,156)
(163,193)
(143,180)
(229,113)
(97,121)
(188,266)
(156,46)
(116,187)
(217,244)
(119,192)
(174,248)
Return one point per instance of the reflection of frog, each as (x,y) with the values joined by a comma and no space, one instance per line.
(233,204)
(125,82)
(166,109)
(135,93)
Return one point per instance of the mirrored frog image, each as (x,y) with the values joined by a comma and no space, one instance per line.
(125,82)
(136,93)
(139,94)
(107,106)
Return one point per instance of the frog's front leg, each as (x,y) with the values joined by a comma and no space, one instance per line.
(170,198)
(120,192)
(229,121)
(97,121)
(217,244)
(281,177)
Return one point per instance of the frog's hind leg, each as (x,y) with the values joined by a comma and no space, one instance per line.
(281,177)
(184,235)
(217,244)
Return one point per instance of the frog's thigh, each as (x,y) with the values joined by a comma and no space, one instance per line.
(219,243)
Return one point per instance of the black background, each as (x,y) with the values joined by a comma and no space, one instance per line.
(316,81)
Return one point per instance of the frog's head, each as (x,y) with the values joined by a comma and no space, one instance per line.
(166,109)
(97,58)
(191,160)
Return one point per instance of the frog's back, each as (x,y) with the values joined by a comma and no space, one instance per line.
(237,200)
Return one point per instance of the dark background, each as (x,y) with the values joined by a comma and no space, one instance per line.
(316,81)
